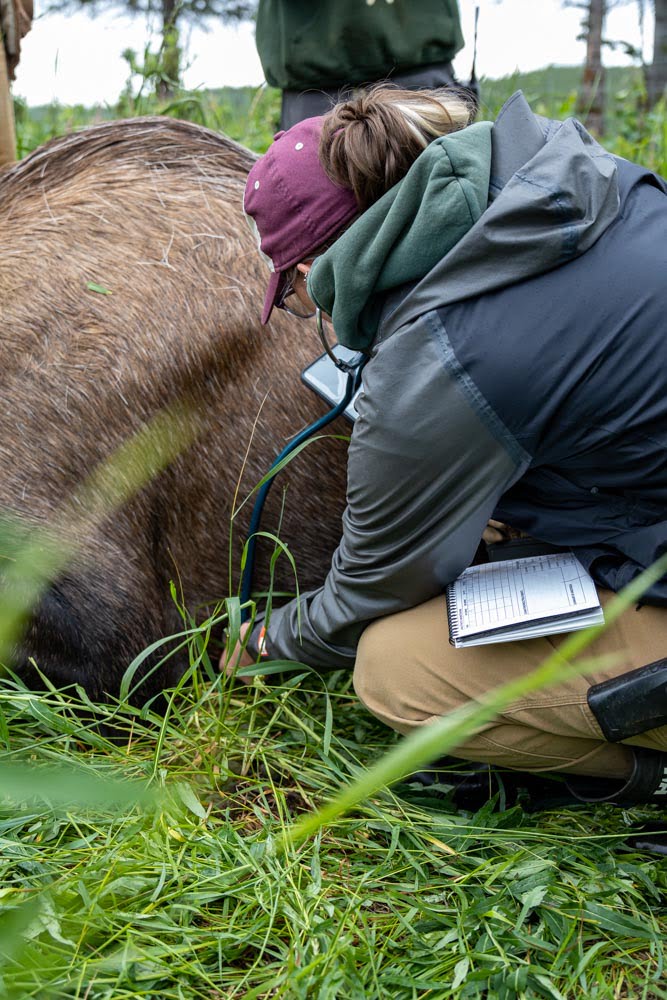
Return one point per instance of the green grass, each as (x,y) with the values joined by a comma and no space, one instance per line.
(189,897)
(155,866)
(163,862)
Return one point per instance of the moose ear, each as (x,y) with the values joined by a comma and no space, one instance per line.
(279,135)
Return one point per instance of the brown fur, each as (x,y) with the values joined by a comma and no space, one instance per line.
(150,209)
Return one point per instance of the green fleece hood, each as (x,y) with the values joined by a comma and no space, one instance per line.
(405,234)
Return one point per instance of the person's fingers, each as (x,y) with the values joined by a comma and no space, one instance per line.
(231,664)
(235,673)
(493,535)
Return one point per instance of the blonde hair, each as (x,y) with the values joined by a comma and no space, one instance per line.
(370,142)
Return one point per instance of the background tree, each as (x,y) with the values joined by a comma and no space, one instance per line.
(593,90)
(592,93)
(656,71)
(591,102)
(171,14)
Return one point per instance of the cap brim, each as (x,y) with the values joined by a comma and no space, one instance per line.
(276,284)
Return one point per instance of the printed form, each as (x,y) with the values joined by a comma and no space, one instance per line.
(520,590)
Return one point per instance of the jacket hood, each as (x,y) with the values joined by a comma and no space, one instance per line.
(551,192)
(405,234)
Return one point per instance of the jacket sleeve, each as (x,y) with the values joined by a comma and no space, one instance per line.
(427,463)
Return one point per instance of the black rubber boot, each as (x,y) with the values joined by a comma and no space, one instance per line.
(647,785)
(469,785)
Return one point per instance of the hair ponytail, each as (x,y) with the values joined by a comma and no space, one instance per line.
(370,142)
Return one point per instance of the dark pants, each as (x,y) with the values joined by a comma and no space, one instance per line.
(298,105)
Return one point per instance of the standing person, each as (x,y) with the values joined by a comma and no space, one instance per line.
(314,52)
(509,284)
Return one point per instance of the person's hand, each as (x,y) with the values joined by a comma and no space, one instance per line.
(494,532)
(239,657)
(497,531)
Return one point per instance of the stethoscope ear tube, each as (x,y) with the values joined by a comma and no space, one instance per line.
(349,367)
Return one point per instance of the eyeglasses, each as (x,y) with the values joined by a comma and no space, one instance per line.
(297,308)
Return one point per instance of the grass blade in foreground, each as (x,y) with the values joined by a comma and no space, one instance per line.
(42,557)
(438,738)
(48,551)
(67,786)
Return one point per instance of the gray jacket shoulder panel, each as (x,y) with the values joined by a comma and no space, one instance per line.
(428,462)
(471,391)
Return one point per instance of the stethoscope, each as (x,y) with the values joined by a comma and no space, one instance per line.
(352,369)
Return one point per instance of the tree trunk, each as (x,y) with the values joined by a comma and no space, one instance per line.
(656,73)
(170,55)
(7,129)
(591,102)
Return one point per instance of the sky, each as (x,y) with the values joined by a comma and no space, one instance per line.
(78,59)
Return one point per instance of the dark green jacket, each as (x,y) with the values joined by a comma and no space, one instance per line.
(331,44)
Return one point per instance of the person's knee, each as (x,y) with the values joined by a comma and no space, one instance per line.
(393,671)
(374,669)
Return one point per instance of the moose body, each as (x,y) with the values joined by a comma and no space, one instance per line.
(129,281)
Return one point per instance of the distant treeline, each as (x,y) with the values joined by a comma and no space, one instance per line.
(250,114)
(553,85)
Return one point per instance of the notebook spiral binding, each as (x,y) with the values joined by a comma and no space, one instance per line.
(452,617)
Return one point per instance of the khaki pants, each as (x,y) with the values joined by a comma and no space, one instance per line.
(407,674)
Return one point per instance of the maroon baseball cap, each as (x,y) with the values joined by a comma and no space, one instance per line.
(291,204)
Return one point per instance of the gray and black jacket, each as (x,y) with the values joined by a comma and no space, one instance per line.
(524,378)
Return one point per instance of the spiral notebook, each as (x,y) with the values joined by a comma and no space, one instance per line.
(521,599)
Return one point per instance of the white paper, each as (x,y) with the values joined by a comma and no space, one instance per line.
(517,591)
